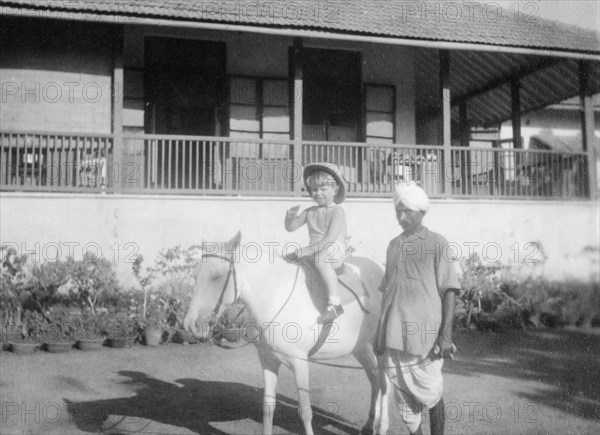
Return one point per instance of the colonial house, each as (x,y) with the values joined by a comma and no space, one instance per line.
(106,104)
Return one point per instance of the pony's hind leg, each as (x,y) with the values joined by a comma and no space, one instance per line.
(270,367)
(378,421)
(300,368)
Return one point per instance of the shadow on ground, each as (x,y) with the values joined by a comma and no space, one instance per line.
(566,361)
(192,404)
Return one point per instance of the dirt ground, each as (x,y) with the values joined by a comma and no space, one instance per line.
(515,382)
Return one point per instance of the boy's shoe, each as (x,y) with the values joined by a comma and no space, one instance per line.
(332,313)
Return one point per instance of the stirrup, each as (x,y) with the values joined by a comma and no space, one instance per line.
(332,313)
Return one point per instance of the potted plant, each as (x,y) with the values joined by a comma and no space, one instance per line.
(27,340)
(58,331)
(88,331)
(154,323)
(231,323)
(120,328)
(177,334)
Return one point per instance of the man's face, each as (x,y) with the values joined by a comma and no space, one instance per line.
(407,218)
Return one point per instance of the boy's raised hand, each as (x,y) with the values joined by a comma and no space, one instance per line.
(293,220)
(292,212)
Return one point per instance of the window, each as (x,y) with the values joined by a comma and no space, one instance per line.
(259,108)
(380,111)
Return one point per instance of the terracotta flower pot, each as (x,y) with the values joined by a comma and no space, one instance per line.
(59,346)
(120,342)
(90,343)
(152,335)
(24,348)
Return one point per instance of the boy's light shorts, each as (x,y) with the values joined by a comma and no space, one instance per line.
(417,383)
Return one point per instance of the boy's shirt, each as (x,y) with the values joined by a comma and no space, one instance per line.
(419,269)
(318,220)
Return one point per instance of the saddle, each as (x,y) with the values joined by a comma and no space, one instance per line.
(350,285)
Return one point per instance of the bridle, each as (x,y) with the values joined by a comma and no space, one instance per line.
(231,272)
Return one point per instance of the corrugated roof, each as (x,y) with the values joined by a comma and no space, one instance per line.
(460,22)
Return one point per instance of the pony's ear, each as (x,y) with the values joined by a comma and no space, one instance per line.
(231,244)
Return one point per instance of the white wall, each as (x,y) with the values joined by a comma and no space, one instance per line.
(124,225)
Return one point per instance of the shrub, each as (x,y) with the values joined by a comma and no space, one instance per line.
(169,280)
(15,287)
(500,297)
(93,281)
(58,325)
(119,324)
(48,279)
(88,326)
(30,327)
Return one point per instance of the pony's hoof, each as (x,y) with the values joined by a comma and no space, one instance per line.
(367,431)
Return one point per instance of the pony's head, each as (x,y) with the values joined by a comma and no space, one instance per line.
(216,285)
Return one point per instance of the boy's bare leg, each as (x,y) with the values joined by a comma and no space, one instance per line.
(329,276)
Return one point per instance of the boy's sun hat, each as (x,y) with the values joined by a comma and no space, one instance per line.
(333,170)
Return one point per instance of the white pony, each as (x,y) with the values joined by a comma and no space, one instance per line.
(285,329)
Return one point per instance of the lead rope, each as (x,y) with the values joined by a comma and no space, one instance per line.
(232,272)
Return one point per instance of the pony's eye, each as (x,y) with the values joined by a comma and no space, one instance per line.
(215,277)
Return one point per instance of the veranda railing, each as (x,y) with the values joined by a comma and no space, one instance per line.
(55,161)
(166,164)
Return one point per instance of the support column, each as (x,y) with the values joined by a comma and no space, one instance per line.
(465,161)
(116,172)
(448,168)
(587,128)
(297,95)
(515,96)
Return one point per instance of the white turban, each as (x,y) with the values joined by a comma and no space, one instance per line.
(411,196)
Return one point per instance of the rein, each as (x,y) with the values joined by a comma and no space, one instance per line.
(232,272)
(220,302)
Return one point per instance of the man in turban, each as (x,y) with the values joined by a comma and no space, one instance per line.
(415,329)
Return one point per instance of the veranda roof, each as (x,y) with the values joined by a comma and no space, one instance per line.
(489,46)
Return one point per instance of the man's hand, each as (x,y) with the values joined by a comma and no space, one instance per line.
(444,348)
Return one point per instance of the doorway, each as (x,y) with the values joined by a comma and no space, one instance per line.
(332,95)
(184,91)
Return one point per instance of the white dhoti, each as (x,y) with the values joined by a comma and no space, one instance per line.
(417,383)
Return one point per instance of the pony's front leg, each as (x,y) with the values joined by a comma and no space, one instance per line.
(378,421)
(270,366)
(300,368)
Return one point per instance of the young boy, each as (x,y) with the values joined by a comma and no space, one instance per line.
(326,224)
(415,328)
